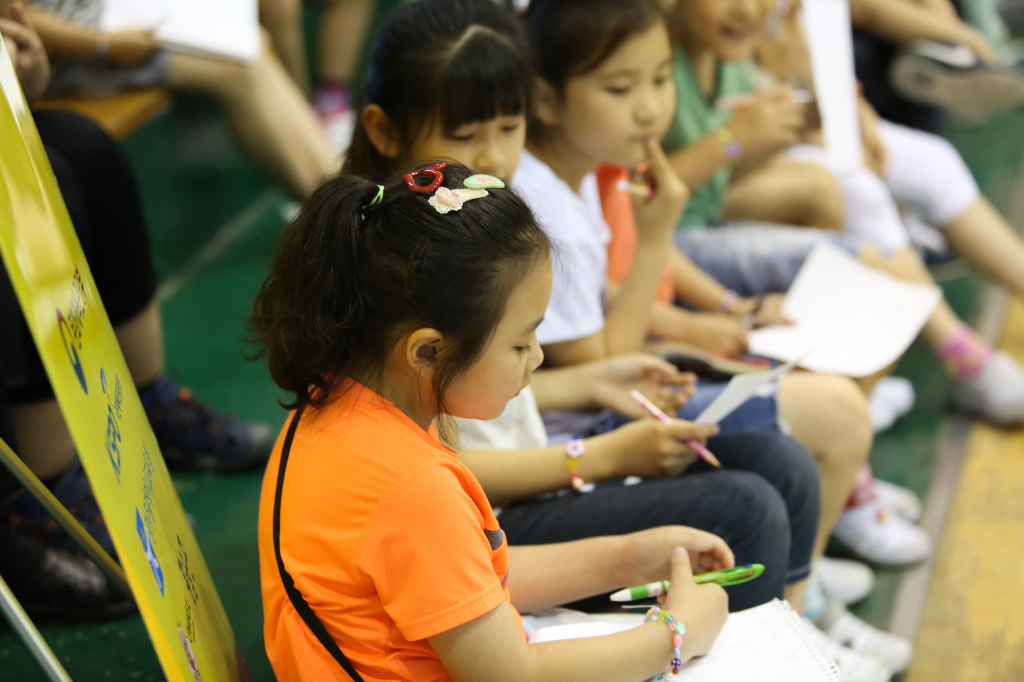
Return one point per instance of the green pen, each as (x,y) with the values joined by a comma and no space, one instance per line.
(724,577)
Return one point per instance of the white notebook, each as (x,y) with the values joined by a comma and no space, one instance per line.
(767,643)
(228,29)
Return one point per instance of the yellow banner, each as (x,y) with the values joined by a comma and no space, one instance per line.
(155,544)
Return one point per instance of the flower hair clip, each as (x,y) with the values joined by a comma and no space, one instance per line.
(445,200)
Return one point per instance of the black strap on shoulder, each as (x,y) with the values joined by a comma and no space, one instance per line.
(298,601)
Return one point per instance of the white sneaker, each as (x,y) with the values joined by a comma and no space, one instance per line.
(844,580)
(853,667)
(897,499)
(996,393)
(952,76)
(867,640)
(890,399)
(881,537)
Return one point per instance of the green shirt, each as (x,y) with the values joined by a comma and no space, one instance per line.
(695,117)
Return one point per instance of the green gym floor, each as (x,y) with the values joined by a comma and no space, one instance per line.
(214,222)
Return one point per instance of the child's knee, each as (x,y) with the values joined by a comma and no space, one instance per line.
(845,407)
(820,196)
(759,510)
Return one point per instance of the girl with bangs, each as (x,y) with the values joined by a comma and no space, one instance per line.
(465,73)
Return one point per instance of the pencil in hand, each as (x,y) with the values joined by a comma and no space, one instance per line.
(656,412)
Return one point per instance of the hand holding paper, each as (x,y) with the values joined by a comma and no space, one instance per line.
(857,319)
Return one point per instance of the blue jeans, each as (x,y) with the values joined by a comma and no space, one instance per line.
(764,503)
(756,258)
(760,414)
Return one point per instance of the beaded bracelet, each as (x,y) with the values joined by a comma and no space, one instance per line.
(678,630)
(728,298)
(733,149)
(573,451)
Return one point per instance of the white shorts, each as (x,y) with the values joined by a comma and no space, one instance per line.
(869,211)
(925,172)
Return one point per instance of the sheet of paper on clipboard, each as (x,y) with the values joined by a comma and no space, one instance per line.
(739,390)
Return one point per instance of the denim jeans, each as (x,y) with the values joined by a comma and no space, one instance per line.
(764,503)
(754,258)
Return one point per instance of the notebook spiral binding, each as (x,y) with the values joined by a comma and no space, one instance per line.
(794,620)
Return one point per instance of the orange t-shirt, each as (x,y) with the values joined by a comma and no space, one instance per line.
(617,207)
(388,536)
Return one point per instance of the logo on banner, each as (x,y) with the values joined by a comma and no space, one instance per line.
(115,399)
(147,546)
(71,327)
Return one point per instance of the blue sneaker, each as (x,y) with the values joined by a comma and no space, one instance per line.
(191,435)
(72,490)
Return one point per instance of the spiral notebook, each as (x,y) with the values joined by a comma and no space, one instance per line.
(767,643)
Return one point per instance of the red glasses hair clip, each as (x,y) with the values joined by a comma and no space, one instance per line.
(432,171)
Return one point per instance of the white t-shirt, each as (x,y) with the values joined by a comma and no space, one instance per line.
(81,12)
(576,225)
(519,427)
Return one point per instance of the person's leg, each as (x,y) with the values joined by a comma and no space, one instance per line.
(102,197)
(283,21)
(985,240)
(109,219)
(829,415)
(791,469)
(869,212)
(741,508)
(343,30)
(927,172)
(787,191)
(268,114)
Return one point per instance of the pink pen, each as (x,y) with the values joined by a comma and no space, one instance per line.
(656,412)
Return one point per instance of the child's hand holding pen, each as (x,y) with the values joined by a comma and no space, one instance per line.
(653,376)
(691,441)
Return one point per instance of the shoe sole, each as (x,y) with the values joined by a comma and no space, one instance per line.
(846,550)
(966,95)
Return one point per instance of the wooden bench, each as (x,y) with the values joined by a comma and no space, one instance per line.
(118,114)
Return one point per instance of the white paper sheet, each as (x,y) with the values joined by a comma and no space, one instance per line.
(826,26)
(228,29)
(740,389)
(859,320)
(764,644)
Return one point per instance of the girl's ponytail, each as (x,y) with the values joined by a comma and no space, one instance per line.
(326,239)
(354,272)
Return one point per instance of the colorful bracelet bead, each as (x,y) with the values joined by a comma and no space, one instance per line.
(573,451)
(728,298)
(678,630)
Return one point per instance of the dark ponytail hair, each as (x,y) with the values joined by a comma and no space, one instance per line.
(347,281)
(441,62)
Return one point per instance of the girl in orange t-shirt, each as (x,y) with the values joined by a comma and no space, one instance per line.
(387,309)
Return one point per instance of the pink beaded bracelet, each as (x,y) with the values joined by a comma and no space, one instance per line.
(678,630)
(728,298)
(573,451)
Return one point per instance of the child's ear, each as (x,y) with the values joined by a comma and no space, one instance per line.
(545,102)
(421,350)
(380,131)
